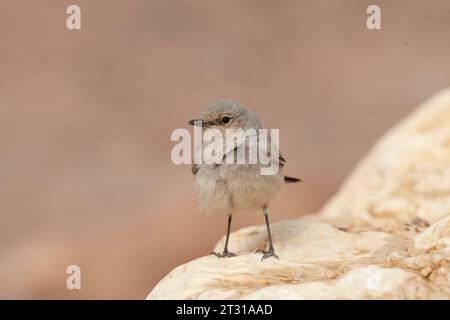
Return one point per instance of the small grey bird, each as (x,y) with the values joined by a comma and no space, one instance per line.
(230,188)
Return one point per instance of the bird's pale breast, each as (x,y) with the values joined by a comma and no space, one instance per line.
(235,188)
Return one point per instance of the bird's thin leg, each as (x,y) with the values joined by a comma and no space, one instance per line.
(271,251)
(225,249)
(226,253)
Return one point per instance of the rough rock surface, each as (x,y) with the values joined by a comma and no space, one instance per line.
(373,240)
(406,175)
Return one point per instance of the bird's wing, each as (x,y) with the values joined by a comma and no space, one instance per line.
(194,168)
(282,161)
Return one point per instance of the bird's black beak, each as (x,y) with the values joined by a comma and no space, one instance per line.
(199,122)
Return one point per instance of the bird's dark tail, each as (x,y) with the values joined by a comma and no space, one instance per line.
(291,179)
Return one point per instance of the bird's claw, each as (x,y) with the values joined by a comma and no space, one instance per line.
(225,254)
(267,254)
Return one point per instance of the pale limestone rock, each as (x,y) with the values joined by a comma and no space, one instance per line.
(406,175)
(435,238)
(385,250)
(318,261)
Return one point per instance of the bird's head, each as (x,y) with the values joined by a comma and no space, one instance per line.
(227,114)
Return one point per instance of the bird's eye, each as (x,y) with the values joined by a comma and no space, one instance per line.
(225,119)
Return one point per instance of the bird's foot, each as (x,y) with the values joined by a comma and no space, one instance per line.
(268,253)
(225,254)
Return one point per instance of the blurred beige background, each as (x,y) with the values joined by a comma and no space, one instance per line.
(86,118)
